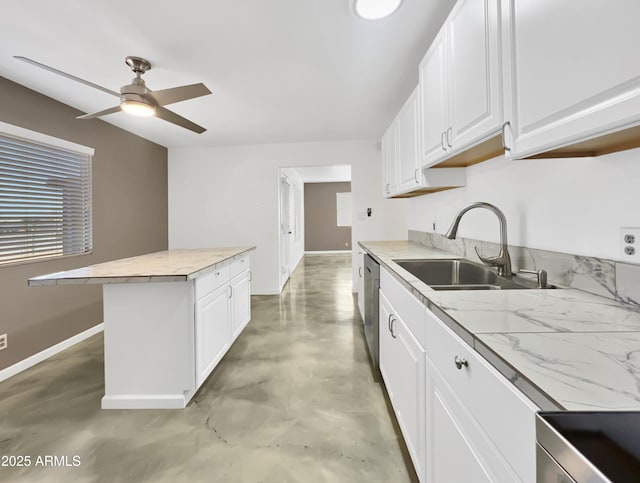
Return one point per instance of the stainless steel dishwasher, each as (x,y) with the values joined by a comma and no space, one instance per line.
(371,301)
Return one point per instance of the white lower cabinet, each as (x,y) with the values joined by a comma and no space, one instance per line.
(222,310)
(451,455)
(240,303)
(462,421)
(402,363)
(496,419)
(361,284)
(212,331)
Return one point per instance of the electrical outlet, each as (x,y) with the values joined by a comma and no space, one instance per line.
(630,244)
(3,341)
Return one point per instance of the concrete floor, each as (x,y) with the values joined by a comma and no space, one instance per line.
(293,401)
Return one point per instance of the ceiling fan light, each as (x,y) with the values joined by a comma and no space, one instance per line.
(376,9)
(137,108)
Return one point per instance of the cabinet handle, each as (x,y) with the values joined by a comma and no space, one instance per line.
(444,148)
(392,333)
(460,361)
(360,272)
(415,175)
(250,276)
(387,188)
(504,144)
(448,141)
(230,291)
(389,322)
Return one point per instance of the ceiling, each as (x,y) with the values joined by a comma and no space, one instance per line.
(280,70)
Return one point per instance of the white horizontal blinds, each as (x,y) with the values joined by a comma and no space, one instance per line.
(45,200)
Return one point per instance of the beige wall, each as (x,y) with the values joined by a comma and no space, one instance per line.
(129,218)
(320,224)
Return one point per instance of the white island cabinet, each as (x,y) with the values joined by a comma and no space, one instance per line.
(169,317)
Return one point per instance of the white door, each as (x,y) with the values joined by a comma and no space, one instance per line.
(285,230)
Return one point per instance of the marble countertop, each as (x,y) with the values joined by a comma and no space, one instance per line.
(170,265)
(564,348)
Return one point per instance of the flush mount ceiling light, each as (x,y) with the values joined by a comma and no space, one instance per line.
(376,9)
(138,107)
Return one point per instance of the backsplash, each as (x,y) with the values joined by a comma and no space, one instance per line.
(608,278)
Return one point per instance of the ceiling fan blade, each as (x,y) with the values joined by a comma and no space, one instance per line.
(68,76)
(178,94)
(174,118)
(93,115)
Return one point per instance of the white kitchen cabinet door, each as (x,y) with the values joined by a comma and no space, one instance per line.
(402,363)
(434,109)
(361,284)
(451,456)
(390,160)
(475,107)
(574,70)
(240,303)
(387,356)
(460,82)
(212,331)
(410,392)
(410,174)
(491,414)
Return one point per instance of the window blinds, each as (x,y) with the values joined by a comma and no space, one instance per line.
(45,200)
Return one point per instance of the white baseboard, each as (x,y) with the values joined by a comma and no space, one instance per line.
(327,252)
(48,352)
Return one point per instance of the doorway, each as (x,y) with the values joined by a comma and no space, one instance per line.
(291,212)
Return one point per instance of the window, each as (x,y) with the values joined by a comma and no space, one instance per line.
(45,196)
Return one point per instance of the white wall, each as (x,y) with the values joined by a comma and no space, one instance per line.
(568,205)
(228,196)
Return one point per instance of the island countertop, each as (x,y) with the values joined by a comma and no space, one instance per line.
(166,266)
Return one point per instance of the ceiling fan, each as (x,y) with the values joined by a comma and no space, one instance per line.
(136,98)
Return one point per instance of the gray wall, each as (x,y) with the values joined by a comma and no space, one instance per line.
(320,227)
(129,218)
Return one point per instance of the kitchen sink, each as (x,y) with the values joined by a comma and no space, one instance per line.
(456,274)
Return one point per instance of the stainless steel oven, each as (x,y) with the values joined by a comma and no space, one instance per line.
(371,301)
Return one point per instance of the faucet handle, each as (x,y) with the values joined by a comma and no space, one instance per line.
(490,261)
(541,274)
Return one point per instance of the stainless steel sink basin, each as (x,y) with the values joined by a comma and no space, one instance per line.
(454,274)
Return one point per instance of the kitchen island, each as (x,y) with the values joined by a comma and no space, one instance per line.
(169,317)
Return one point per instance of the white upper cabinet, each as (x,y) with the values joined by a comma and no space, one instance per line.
(409,170)
(574,75)
(390,160)
(460,82)
(434,105)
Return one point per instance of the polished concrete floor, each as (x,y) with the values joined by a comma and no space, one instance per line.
(293,400)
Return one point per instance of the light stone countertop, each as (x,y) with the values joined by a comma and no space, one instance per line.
(564,348)
(166,266)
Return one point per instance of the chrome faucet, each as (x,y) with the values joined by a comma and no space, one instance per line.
(502,260)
